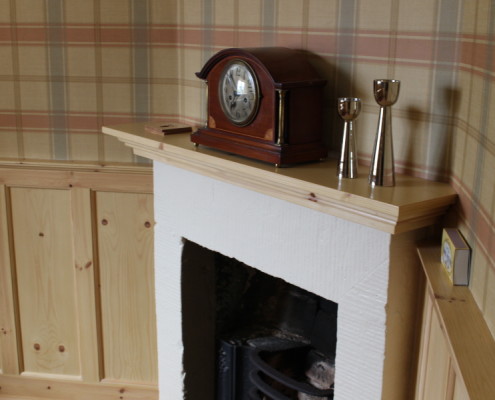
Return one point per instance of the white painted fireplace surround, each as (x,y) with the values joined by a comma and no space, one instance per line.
(338,260)
(343,242)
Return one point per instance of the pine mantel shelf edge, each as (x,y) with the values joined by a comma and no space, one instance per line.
(413,203)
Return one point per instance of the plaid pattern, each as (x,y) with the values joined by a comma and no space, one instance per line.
(68,67)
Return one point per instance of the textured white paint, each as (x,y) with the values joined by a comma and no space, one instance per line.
(336,259)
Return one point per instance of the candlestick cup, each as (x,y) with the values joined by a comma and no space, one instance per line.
(382,172)
(348,109)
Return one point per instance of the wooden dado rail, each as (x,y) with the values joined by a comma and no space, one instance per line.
(457,353)
(77,313)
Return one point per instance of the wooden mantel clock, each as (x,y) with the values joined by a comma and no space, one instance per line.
(265,104)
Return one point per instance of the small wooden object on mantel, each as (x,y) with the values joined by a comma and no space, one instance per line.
(166,128)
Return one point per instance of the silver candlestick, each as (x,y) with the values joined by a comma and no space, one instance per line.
(382,162)
(348,109)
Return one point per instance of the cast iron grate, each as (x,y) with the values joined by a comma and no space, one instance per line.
(273,368)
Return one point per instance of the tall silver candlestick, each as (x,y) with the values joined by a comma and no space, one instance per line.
(348,109)
(382,171)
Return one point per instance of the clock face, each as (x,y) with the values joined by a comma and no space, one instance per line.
(238,92)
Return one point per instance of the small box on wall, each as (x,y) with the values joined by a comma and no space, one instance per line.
(455,256)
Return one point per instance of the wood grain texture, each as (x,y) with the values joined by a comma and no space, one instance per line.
(44,262)
(125,241)
(29,388)
(9,345)
(411,204)
(48,240)
(87,300)
(57,178)
(460,391)
(424,346)
(437,365)
(464,331)
(402,307)
(65,165)
(301,139)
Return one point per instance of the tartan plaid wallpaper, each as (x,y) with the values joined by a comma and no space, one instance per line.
(68,67)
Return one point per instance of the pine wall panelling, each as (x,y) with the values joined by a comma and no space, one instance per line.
(77,284)
(69,67)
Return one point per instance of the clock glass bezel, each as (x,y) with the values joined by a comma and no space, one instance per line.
(248,83)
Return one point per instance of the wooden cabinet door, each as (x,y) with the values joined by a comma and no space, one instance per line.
(437,377)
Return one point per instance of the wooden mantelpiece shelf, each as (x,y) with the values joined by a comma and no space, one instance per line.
(413,203)
(457,354)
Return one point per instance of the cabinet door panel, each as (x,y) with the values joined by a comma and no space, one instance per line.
(44,261)
(438,363)
(125,247)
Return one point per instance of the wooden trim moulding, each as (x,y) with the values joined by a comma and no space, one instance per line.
(75,165)
(58,389)
(106,179)
(10,343)
(413,203)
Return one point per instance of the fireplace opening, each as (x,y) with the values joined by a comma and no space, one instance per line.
(249,335)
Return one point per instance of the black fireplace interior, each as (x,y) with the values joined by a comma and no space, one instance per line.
(248,335)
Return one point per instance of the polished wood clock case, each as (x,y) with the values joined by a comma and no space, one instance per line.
(282,101)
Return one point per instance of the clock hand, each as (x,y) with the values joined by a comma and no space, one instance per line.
(234,100)
(231,81)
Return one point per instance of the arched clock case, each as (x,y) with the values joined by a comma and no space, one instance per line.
(265,104)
